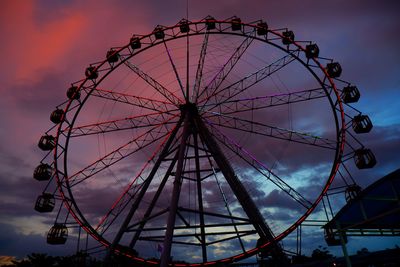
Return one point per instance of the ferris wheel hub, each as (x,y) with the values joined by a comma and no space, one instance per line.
(189,107)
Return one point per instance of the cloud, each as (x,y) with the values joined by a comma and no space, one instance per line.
(38,224)
(279,199)
(19,245)
(384,143)
(6,260)
(37,47)
(23,187)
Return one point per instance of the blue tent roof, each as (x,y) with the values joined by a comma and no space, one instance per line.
(376,207)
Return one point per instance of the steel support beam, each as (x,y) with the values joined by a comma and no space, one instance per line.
(239,190)
(153,202)
(165,256)
(147,183)
(200,199)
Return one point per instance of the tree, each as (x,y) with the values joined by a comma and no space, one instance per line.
(41,260)
(22,263)
(321,253)
(363,252)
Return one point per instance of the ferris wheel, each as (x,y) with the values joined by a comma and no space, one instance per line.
(200,143)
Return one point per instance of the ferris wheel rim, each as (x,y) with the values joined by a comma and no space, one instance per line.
(72,205)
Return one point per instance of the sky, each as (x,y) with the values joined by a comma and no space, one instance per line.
(46,45)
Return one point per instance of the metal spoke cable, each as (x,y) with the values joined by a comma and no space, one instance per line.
(200,66)
(175,70)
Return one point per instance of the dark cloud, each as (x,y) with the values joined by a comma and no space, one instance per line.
(20,245)
(17,177)
(279,199)
(47,91)
(384,143)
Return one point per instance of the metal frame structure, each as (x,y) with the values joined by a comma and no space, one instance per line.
(375,211)
(188,127)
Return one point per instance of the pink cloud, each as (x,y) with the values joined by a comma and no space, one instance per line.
(37,46)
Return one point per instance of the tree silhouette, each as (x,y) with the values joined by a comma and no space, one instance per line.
(41,260)
(363,252)
(23,263)
(321,253)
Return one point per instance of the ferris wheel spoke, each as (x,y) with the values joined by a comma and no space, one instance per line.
(134,122)
(124,199)
(262,102)
(138,101)
(200,65)
(211,88)
(175,70)
(271,131)
(153,83)
(260,167)
(143,140)
(234,89)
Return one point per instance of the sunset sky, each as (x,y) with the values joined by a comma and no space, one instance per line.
(46,45)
